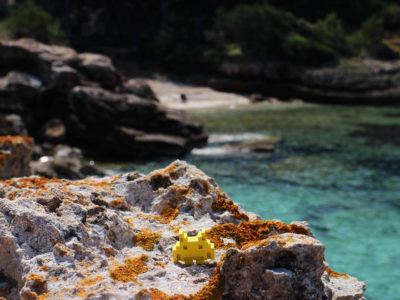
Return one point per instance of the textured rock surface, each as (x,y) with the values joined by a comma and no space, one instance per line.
(15,156)
(63,161)
(362,81)
(112,238)
(95,107)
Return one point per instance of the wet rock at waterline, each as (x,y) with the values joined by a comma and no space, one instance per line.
(62,96)
(356,81)
(113,236)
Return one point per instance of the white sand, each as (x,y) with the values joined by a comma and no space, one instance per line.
(169,94)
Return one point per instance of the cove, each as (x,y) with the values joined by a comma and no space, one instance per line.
(337,167)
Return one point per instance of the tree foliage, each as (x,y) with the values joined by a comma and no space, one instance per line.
(30,20)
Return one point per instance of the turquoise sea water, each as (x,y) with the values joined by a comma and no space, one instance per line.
(338,168)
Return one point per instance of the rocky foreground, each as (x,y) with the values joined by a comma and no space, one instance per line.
(112,238)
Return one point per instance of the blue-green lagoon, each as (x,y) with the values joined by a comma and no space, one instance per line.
(338,168)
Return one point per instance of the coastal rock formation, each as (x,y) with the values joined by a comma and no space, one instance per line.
(112,237)
(62,96)
(63,161)
(15,156)
(362,81)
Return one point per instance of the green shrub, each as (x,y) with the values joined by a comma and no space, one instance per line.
(329,31)
(391,17)
(305,50)
(263,32)
(30,20)
(368,40)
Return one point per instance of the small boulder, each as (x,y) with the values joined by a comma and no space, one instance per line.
(15,156)
(54,131)
(99,68)
(140,88)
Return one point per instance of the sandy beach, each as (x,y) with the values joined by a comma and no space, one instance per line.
(197,97)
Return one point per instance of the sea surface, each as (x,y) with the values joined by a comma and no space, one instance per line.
(336,167)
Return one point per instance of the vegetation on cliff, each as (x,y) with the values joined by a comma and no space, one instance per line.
(172,32)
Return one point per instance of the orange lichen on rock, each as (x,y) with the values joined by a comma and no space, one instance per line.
(282,240)
(213,290)
(30,182)
(248,232)
(175,227)
(334,274)
(159,295)
(90,281)
(167,215)
(146,239)
(119,203)
(129,221)
(224,203)
(11,139)
(179,192)
(109,251)
(62,250)
(38,286)
(132,268)
(43,268)
(160,264)
(34,296)
(172,171)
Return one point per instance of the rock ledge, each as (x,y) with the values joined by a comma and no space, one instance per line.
(112,238)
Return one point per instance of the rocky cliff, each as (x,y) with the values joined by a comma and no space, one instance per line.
(112,238)
(58,96)
(357,81)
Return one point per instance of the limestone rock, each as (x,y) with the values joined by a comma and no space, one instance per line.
(15,156)
(112,238)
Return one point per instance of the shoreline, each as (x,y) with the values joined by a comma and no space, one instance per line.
(197,97)
(200,97)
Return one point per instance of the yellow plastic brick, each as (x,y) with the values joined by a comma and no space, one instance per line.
(198,248)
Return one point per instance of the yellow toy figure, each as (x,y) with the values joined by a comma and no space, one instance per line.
(198,248)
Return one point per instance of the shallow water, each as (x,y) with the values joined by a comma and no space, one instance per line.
(338,168)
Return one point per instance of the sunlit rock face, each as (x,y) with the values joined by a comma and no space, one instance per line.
(112,238)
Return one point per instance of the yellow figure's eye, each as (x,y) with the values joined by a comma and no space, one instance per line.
(200,246)
(184,247)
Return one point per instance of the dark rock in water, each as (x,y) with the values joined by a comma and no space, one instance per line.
(20,93)
(99,68)
(12,124)
(65,167)
(106,123)
(139,88)
(94,107)
(256,98)
(63,161)
(361,82)
(15,155)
